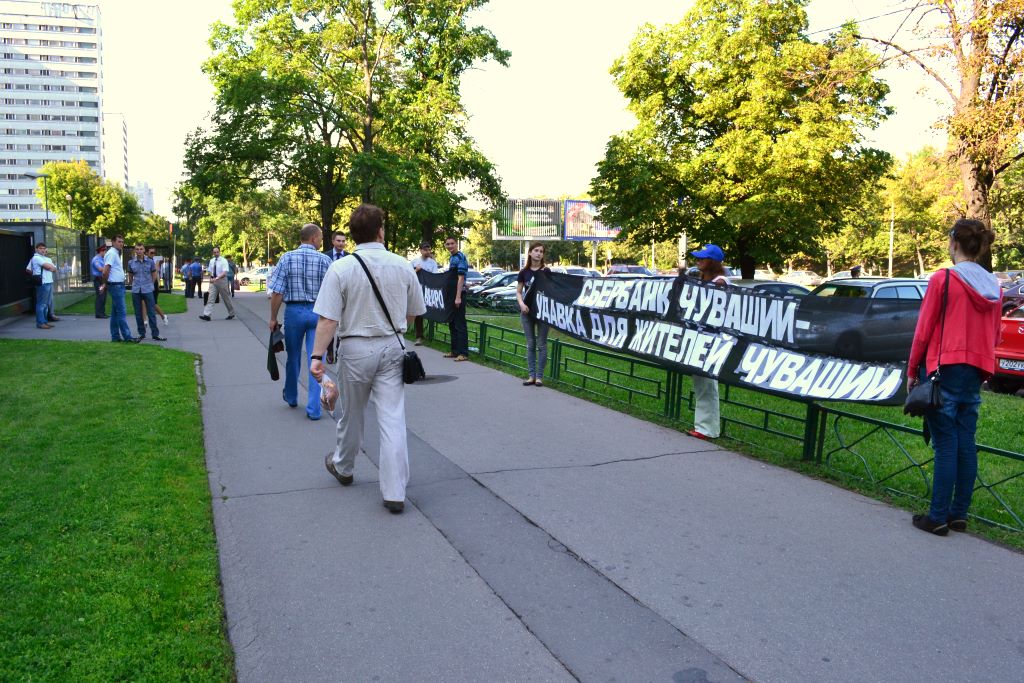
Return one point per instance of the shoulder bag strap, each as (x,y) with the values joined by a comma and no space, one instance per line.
(380,299)
(942,323)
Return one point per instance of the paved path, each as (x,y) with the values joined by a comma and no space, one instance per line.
(550,539)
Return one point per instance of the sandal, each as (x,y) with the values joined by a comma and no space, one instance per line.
(529,382)
(448,355)
(538,383)
(461,358)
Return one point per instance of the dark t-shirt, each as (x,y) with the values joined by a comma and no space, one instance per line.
(526,275)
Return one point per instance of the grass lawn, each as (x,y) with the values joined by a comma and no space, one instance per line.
(108,562)
(170,303)
(857,455)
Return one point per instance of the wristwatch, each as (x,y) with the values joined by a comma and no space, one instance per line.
(316,357)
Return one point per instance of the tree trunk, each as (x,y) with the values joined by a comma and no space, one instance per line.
(977,181)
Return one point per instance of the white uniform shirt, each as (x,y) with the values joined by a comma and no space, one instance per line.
(36,265)
(346,294)
(113,259)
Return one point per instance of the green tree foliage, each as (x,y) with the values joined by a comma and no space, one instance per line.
(78,197)
(1008,218)
(347,99)
(245,227)
(748,134)
(974,51)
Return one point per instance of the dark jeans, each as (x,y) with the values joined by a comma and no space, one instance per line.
(418,324)
(101,297)
(190,288)
(459,331)
(137,299)
(953,427)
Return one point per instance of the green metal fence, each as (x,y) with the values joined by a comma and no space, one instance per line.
(871,452)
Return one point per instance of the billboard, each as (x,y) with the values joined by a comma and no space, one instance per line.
(582,222)
(529,219)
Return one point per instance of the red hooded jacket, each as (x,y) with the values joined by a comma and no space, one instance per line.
(971,331)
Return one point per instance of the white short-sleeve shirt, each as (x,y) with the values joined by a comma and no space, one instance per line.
(346,294)
(113,259)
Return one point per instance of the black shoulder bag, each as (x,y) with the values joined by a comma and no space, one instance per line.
(927,394)
(412,367)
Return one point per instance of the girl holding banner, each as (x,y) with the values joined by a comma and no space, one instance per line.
(536,331)
(707,423)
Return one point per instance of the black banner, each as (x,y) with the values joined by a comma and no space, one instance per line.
(438,294)
(792,346)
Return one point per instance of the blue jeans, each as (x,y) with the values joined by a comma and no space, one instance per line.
(43,311)
(956,454)
(118,313)
(300,324)
(137,299)
(536,345)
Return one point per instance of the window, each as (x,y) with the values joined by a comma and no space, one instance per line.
(886,293)
(908,292)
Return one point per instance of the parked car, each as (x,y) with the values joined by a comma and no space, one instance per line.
(253,276)
(694,271)
(475,294)
(807,278)
(879,329)
(491,271)
(772,287)
(1009,377)
(627,269)
(501,299)
(593,272)
(1005,280)
(474,277)
(1013,296)
(765,275)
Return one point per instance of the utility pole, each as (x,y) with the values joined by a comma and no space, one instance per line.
(892,231)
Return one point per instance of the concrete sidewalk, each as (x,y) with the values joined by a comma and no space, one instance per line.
(547,538)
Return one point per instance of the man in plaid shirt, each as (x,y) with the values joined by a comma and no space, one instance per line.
(296,281)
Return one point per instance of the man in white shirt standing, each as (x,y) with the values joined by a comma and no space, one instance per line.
(425,262)
(219,287)
(369,353)
(113,283)
(42,269)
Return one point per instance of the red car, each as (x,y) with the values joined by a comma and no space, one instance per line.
(1009,375)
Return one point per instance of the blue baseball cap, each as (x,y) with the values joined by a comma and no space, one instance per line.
(711,251)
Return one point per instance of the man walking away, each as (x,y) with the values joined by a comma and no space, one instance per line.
(425,262)
(369,355)
(457,325)
(42,269)
(197,277)
(113,284)
(296,282)
(186,277)
(142,280)
(218,286)
(96,270)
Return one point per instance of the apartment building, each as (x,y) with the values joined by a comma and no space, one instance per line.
(51,93)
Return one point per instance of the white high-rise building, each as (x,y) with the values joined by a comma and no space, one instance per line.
(51,91)
(115,148)
(144,193)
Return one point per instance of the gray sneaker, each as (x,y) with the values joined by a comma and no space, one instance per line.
(344,480)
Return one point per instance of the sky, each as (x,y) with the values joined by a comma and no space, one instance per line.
(543,121)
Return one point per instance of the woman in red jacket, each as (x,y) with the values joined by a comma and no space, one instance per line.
(964,347)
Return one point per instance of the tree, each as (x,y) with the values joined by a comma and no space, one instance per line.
(1008,218)
(345,99)
(975,53)
(748,135)
(94,206)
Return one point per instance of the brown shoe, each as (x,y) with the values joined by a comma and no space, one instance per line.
(395,507)
(448,355)
(343,479)
(45,326)
(460,358)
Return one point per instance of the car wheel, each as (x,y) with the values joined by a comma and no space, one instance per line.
(245,282)
(1001,385)
(848,346)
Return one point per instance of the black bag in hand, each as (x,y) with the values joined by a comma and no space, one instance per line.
(926,396)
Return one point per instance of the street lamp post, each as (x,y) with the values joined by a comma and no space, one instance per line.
(46,193)
(71,219)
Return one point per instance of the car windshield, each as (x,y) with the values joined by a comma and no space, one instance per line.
(851,291)
(496,279)
(1016,313)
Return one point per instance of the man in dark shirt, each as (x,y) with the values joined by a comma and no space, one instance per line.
(338,242)
(96,270)
(457,325)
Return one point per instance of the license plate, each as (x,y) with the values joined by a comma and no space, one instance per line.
(1008,364)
